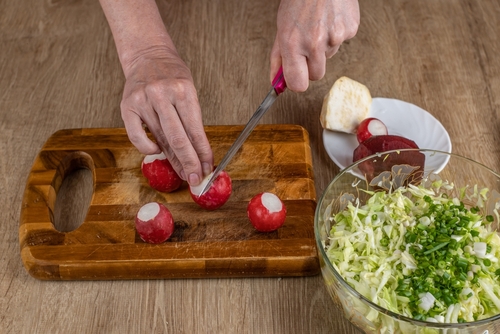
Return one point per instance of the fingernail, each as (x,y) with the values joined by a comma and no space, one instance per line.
(183,175)
(207,169)
(194,180)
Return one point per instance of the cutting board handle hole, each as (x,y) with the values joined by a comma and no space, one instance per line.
(73,185)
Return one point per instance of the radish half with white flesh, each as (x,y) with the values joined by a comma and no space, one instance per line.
(370,127)
(154,223)
(266,212)
(218,193)
(160,173)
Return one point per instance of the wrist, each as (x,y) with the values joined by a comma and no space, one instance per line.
(138,31)
(131,57)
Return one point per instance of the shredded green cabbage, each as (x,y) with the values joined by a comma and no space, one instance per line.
(420,252)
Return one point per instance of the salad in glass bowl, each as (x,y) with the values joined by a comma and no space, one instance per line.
(408,248)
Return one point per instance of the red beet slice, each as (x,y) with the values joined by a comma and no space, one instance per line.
(377,144)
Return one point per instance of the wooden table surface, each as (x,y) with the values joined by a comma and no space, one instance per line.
(59,70)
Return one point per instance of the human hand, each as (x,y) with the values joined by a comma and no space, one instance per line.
(159,92)
(309,32)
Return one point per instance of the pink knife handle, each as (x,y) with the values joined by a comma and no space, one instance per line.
(279,83)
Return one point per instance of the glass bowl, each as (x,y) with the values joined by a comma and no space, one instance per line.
(386,172)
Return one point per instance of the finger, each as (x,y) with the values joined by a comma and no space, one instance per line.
(193,125)
(164,145)
(316,65)
(137,135)
(179,142)
(332,51)
(150,119)
(275,60)
(296,72)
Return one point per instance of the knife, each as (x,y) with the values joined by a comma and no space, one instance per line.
(279,86)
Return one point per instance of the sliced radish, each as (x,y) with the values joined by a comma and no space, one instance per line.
(154,223)
(218,193)
(160,173)
(266,212)
(370,127)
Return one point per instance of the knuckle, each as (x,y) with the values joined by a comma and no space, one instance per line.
(187,162)
(197,137)
(179,89)
(190,165)
(134,138)
(148,150)
(337,37)
(155,88)
(135,98)
(353,30)
(178,143)
(143,147)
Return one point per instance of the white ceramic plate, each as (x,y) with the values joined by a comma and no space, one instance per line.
(402,119)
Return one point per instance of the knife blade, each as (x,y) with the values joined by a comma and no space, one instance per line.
(278,87)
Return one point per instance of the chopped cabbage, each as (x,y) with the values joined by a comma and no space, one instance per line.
(421,252)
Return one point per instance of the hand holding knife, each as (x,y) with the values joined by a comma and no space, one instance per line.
(278,87)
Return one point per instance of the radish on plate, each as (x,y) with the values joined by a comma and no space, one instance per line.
(160,173)
(154,223)
(370,127)
(266,212)
(218,193)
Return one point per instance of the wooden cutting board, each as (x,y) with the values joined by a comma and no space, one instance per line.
(220,243)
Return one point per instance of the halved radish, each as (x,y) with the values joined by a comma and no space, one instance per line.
(218,193)
(266,212)
(370,127)
(154,223)
(160,173)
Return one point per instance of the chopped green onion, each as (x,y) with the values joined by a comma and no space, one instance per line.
(441,245)
(412,244)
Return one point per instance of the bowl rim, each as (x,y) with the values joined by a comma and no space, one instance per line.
(358,295)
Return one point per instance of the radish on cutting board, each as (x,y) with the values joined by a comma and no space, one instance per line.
(160,173)
(266,212)
(370,127)
(154,223)
(218,193)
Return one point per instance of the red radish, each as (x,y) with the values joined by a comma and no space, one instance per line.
(216,195)
(370,127)
(160,173)
(266,212)
(154,223)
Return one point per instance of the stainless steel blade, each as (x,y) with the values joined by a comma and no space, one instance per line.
(254,120)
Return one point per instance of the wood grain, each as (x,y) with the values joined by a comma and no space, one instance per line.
(220,243)
(59,70)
